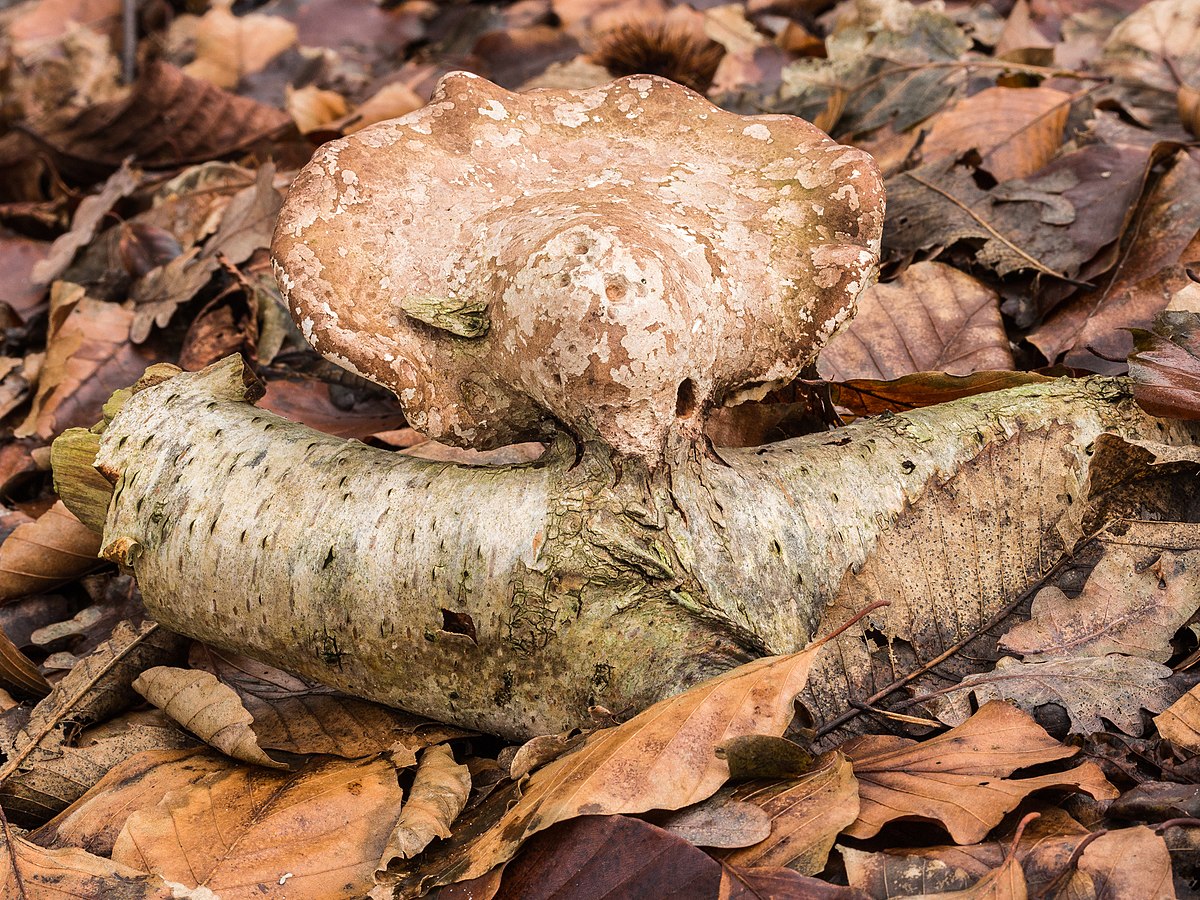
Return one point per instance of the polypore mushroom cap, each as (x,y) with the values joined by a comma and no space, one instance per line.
(618,259)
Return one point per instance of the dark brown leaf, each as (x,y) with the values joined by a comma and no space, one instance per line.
(609,856)
(1159,246)
(865,397)
(776,883)
(168,119)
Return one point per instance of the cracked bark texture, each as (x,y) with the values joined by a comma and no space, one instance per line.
(510,599)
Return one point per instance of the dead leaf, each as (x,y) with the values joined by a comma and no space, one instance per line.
(438,795)
(151,126)
(208,709)
(1154,257)
(18,672)
(238,831)
(885,72)
(87,220)
(776,883)
(41,555)
(28,871)
(1133,603)
(1087,687)
(138,782)
(807,814)
(89,355)
(1016,131)
(662,758)
(932,318)
(307,400)
(868,397)
(1180,722)
(229,47)
(297,716)
(1130,862)
(19,256)
(609,856)
(719,822)
(1165,366)
(314,109)
(960,779)
(1151,54)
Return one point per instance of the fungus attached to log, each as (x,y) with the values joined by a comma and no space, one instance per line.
(613,263)
(617,260)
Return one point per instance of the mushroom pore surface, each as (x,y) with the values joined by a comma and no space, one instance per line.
(615,260)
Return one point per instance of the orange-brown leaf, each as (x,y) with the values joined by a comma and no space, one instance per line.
(41,555)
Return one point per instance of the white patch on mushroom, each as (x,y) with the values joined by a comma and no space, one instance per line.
(494,110)
(758,131)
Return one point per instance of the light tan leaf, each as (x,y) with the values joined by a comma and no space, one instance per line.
(1116,687)
(932,318)
(1015,130)
(28,871)
(439,793)
(807,814)
(1133,603)
(312,108)
(662,758)
(238,832)
(230,47)
(1180,722)
(41,555)
(139,782)
(208,709)
(959,778)
(1129,862)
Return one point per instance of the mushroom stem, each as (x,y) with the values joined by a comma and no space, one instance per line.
(511,599)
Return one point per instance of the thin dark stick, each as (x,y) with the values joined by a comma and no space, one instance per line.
(128,40)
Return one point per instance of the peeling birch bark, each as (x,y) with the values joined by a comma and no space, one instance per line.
(511,599)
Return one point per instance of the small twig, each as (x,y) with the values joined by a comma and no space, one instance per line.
(1053,883)
(129,41)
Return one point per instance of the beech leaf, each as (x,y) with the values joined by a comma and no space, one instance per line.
(438,795)
(39,556)
(960,778)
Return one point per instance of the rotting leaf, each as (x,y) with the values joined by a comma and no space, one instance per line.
(1180,722)
(1158,247)
(719,822)
(138,782)
(960,778)
(932,318)
(1088,687)
(869,397)
(210,710)
(230,47)
(297,716)
(89,355)
(1128,862)
(614,856)
(438,795)
(236,831)
(1133,603)
(88,216)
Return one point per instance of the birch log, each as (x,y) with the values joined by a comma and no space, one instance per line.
(511,599)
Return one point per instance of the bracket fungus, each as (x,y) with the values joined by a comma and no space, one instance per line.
(612,263)
(616,260)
